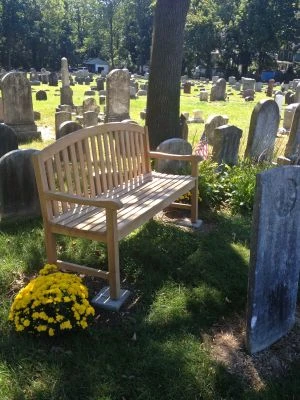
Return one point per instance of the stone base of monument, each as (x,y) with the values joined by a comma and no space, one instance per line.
(103,300)
(26,132)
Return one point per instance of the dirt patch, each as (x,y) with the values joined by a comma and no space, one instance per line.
(227,346)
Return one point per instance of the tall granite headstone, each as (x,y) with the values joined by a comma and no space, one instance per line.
(18,191)
(17,106)
(263,130)
(274,257)
(226,144)
(118,95)
(218,90)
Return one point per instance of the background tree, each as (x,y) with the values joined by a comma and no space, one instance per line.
(165,70)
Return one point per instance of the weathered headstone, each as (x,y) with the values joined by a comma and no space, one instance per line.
(270,87)
(289,98)
(292,148)
(279,98)
(262,132)
(100,83)
(118,95)
(186,88)
(90,104)
(203,96)
(66,95)
(258,86)
(65,78)
(17,106)
(211,124)
(53,79)
(274,257)
(226,144)
(248,83)
(61,117)
(232,80)
(184,129)
(173,146)
(67,127)
(214,79)
(8,139)
(289,115)
(41,95)
(18,191)
(218,90)
(248,92)
(90,118)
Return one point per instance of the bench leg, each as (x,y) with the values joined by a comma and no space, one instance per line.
(194,204)
(113,255)
(50,242)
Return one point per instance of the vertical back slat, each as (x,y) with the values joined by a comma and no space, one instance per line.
(96,173)
(60,178)
(75,170)
(113,158)
(133,154)
(119,159)
(124,159)
(141,142)
(88,158)
(51,183)
(102,158)
(138,153)
(68,174)
(128,153)
(83,169)
(105,138)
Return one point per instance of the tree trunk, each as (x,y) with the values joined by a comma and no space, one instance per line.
(163,100)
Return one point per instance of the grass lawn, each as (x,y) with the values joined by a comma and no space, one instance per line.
(187,288)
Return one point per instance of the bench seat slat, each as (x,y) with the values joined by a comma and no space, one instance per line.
(140,204)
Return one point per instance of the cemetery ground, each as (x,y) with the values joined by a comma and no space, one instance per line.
(181,334)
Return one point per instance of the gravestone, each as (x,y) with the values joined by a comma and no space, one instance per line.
(18,191)
(102,99)
(8,139)
(295,83)
(248,83)
(53,79)
(41,95)
(133,93)
(65,76)
(211,124)
(89,93)
(248,93)
(289,98)
(61,117)
(66,95)
(100,83)
(90,118)
(226,144)
(118,95)
(184,129)
(262,132)
(232,80)
(17,106)
(214,79)
(292,149)
(289,115)
(258,86)
(173,146)
(218,90)
(274,257)
(270,87)
(186,87)
(141,92)
(90,104)
(67,127)
(203,96)
(279,98)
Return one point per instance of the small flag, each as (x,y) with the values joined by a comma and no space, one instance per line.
(202,147)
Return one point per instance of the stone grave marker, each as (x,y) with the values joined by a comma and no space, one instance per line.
(1,110)
(18,191)
(203,96)
(90,118)
(8,139)
(248,83)
(67,127)
(53,79)
(17,106)
(289,115)
(65,76)
(211,124)
(226,144)
(66,95)
(258,86)
(274,257)
(292,149)
(41,95)
(218,90)
(60,117)
(118,95)
(186,88)
(289,98)
(173,146)
(262,132)
(270,87)
(90,104)
(100,83)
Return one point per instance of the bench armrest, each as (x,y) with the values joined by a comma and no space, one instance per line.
(113,204)
(180,157)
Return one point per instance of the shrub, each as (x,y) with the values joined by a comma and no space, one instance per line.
(52,303)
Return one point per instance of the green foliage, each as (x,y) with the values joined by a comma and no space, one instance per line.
(233,187)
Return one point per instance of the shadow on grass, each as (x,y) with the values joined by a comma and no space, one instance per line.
(186,282)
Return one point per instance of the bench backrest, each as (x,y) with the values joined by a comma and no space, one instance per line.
(91,162)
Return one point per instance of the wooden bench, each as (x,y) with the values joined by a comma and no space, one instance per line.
(97,183)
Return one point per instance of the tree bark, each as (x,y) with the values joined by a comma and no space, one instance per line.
(163,100)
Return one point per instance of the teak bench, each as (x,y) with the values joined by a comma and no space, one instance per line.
(97,183)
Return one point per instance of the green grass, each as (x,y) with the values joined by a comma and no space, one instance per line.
(184,285)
